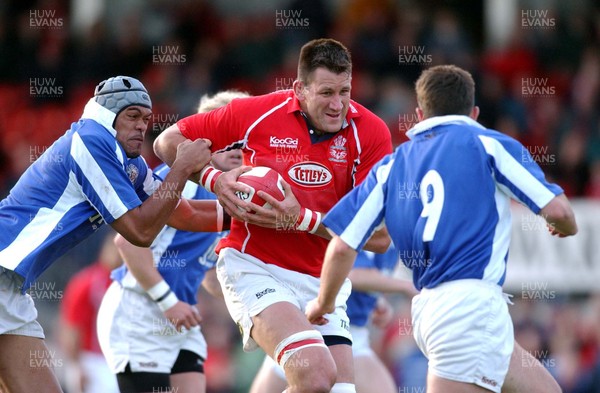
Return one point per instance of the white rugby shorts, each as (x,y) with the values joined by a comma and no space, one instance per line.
(18,314)
(132,329)
(250,286)
(465,330)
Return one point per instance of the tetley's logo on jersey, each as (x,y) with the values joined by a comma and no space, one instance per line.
(310,174)
(288,142)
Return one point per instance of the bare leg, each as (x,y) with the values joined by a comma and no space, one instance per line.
(25,365)
(372,376)
(267,380)
(342,354)
(527,374)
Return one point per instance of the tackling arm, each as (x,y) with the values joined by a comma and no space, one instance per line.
(199,216)
(142,224)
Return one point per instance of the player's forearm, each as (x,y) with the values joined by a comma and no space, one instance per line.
(337,264)
(165,145)
(199,216)
(139,261)
(141,225)
(323,232)
(559,214)
(372,280)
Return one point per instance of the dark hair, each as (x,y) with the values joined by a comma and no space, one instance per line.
(323,52)
(445,90)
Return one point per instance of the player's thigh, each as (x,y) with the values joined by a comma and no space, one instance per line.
(25,365)
(371,376)
(190,382)
(342,355)
(437,384)
(277,322)
(527,374)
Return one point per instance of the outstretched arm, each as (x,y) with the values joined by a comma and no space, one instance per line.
(140,225)
(204,215)
(373,280)
(337,264)
(560,217)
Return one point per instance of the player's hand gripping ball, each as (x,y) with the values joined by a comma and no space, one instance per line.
(261,178)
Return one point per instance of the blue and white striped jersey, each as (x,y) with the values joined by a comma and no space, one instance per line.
(360,305)
(182,258)
(79,183)
(445,198)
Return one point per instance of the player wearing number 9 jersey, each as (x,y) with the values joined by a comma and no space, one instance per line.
(454,232)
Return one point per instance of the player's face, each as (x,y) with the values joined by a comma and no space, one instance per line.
(227,160)
(325,99)
(131,125)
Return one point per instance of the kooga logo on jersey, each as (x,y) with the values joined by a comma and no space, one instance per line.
(311,174)
(283,142)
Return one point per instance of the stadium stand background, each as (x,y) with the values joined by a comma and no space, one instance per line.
(537,68)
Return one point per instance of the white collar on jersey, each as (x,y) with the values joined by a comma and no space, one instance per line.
(101,115)
(428,124)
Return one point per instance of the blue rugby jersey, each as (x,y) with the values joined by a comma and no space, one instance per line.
(445,198)
(360,305)
(81,182)
(182,258)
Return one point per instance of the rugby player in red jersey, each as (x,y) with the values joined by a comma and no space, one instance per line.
(323,144)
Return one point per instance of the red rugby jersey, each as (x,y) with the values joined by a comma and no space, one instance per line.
(272,132)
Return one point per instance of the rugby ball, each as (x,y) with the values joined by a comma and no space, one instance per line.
(261,178)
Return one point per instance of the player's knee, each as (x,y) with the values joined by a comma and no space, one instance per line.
(315,370)
(297,342)
(318,382)
(305,356)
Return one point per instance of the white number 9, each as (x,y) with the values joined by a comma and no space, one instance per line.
(432,209)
